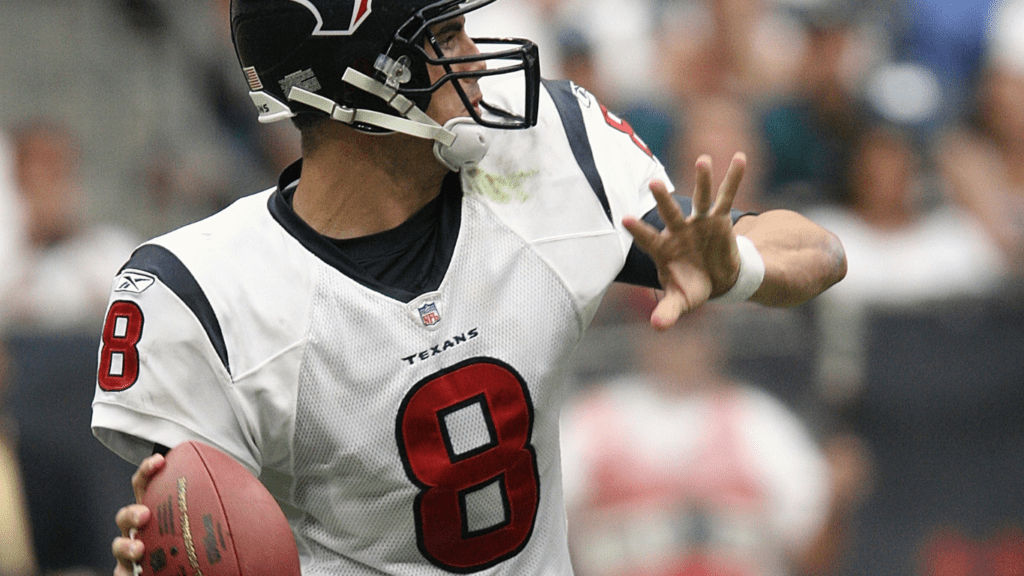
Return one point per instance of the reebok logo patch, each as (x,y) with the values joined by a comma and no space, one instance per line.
(133,282)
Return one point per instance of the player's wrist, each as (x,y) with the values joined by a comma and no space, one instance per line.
(750,277)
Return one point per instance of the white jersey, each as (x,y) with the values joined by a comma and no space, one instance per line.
(402,436)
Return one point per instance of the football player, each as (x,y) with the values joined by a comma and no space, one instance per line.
(382,337)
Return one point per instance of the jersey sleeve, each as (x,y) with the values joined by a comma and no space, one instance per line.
(163,375)
(617,163)
(619,166)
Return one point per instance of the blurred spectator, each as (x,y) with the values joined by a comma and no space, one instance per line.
(679,469)
(984,162)
(810,134)
(16,556)
(624,43)
(618,36)
(605,46)
(579,63)
(62,277)
(948,38)
(719,125)
(750,48)
(711,55)
(900,250)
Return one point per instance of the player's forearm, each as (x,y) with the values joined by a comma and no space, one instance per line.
(801,258)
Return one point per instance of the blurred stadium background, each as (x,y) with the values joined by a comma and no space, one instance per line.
(899,124)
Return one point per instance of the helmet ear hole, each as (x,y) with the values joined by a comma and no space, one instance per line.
(418,76)
(396,72)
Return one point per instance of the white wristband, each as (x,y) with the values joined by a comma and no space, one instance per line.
(750,277)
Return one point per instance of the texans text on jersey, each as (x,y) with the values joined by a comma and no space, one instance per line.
(443,347)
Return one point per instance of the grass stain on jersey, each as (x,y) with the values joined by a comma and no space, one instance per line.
(501,188)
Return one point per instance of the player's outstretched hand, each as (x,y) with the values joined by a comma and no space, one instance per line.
(126,549)
(696,255)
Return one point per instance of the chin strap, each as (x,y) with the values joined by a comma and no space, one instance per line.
(460,143)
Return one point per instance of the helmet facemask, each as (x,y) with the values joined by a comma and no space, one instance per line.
(501,57)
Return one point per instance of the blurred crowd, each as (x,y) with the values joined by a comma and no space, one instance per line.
(897,124)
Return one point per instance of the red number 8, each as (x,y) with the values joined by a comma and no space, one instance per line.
(624,127)
(119,358)
(505,464)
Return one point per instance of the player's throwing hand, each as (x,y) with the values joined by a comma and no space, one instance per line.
(697,256)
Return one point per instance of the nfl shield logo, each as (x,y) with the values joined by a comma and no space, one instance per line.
(429,314)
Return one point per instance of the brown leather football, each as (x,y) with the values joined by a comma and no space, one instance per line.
(211,516)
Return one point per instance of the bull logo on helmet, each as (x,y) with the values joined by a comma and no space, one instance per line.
(335,18)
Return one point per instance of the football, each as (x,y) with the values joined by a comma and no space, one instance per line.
(211,516)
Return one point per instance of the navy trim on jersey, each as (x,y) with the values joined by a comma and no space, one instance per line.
(639,269)
(568,106)
(163,264)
